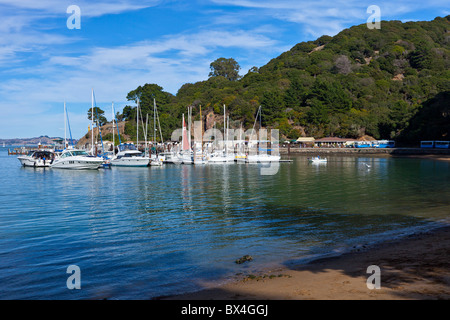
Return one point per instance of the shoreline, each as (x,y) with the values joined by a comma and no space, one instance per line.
(418,153)
(415,267)
(364,151)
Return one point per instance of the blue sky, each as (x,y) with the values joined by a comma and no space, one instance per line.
(126,43)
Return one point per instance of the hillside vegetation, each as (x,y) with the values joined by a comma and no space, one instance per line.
(391,83)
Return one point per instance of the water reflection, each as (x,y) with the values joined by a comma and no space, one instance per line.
(160,229)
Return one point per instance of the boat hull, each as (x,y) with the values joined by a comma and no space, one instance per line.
(131,162)
(77,165)
(35,163)
(262,158)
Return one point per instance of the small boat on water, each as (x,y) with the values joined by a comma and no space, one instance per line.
(167,157)
(37,159)
(221,157)
(76,159)
(261,158)
(317,160)
(157,160)
(130,156)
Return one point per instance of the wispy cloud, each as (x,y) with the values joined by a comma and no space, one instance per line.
(169,61)
(327,17)
(89,8)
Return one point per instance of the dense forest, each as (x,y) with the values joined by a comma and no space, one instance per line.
(389,83)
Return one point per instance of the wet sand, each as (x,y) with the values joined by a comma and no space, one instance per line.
(416,267)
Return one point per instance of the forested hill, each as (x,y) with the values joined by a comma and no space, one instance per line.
(390,83)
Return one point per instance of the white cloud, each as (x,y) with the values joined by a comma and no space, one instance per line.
(328,17)
(88,8)
(114,71)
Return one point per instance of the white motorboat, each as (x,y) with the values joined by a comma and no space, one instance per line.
(37,158)
(318,160)
(261,158)
(129,156)
(76,159)
(221,157)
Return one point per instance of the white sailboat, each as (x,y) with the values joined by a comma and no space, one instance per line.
(199,156)
(259,157)
(186,155)
(156,159)
(223,156)
(129,155)
(74,159)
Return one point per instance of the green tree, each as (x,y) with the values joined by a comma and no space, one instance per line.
(227,68)
(98,116)
(272,104)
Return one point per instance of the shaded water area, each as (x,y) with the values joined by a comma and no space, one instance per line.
(138,233)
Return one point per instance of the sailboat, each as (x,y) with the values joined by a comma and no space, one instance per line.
(241,156)
(186,155)
(259,157)
(103,155)
(129,155)
(223,156)
(199,156)
(74,159)
(156,159)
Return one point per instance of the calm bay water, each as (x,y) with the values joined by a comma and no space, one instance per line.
(138,233)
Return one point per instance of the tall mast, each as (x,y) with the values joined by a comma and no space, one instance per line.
(189,125)
(201,131)
(137,124)
(154,120)
(113,122)
(224,132)
(92,121)
(65,125)
(146,135)
(182,135)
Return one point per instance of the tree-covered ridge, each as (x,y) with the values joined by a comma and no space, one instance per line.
(362,81)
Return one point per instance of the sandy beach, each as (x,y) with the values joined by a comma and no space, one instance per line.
(414,268)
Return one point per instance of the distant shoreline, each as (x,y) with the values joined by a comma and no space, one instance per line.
(440,154)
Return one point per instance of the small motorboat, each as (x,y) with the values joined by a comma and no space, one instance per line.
(37,159)
(318,160)
(130,156)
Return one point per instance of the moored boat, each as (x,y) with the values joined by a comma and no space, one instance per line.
(129,156)
(76,159)
(37,158)
(317,160)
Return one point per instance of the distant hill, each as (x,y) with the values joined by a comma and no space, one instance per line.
(45,140)
(106,132)
(381,83)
